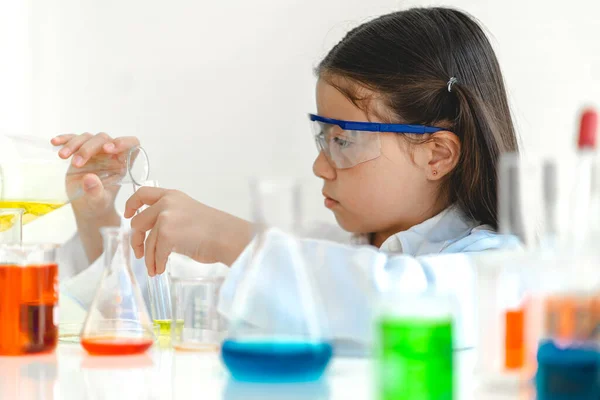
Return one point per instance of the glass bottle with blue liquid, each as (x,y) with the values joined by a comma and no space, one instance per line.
(277,335)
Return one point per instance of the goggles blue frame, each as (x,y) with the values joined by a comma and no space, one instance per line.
(376,126)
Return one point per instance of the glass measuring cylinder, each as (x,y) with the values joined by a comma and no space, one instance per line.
(33,177)
(117,322)
(28,299)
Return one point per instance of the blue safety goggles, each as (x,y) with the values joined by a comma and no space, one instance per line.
(349,143)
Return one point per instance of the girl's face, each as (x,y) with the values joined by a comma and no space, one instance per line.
(383,196)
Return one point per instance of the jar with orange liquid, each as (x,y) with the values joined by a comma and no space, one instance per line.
(28,299)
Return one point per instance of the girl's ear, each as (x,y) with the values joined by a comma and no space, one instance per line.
(439,155)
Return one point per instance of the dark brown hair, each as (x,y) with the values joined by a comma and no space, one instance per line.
(408,57)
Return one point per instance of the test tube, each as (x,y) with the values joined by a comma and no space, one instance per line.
(501,296)
(519,198)
(158,290)
(11,225)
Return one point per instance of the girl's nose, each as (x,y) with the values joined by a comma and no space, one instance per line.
(323,169)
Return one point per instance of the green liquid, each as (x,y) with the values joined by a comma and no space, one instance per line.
(415,360)
(163,326)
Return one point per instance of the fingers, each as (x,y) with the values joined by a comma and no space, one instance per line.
(150,252)
(73,144)
(87,145)
(92,185)
(62,139)
(121,144)
(162,252)
(90,148)
(163,243)
(143,196)
(137,243)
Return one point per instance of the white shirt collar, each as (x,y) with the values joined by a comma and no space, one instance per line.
(430,236)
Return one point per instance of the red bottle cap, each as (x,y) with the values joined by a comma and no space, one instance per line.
(588,129)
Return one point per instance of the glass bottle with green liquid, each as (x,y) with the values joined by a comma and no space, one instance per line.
(414,339)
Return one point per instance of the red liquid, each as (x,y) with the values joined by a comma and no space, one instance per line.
(28,298)
(114,346)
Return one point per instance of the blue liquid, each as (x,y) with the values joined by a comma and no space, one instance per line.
(276,361)
(571,373)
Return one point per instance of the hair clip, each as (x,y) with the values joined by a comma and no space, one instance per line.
(451,82)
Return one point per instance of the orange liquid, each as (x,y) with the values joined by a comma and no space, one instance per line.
(514,343)
(115,346)
(28,298)
(572,318)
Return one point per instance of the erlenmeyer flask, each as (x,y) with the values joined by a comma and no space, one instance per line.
(33,177)
(118,321)
(277,336)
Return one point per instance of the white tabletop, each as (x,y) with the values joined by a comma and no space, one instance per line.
(70,373)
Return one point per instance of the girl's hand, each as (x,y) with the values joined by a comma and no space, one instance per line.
(179,223)
(87,151)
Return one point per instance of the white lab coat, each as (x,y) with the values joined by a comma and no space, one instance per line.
(352,277)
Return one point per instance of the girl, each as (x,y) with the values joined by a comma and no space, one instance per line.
(412,115)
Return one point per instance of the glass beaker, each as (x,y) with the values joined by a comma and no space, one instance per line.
(28,299)
(568,348)
(415,340)
(277,336)
(33,177)
(11,224)
(117,322)
(198,325)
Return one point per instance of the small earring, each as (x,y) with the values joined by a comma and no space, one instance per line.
(434,172)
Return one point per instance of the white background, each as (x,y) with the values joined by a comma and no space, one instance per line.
(219,90)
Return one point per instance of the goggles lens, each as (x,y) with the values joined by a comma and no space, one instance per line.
(346,148)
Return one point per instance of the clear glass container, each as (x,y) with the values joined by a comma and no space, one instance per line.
(28,299)
(414,341)
(198,325)
(11,225)
(281,346)
(117,322)
(33,177)
(159,289)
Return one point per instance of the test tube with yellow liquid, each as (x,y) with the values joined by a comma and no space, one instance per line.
(159,294)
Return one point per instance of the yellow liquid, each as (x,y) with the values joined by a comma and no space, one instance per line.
(163,326)
(32,210)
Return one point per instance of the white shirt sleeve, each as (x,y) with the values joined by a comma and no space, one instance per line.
(71,258)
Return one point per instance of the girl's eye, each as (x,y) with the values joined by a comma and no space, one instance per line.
(341,142)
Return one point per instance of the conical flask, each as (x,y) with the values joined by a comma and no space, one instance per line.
(118,322)
(277,332)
